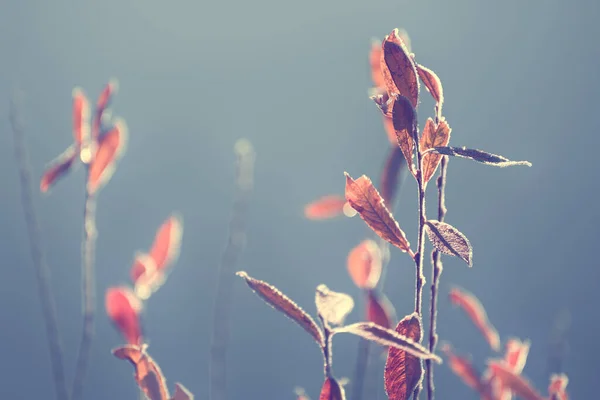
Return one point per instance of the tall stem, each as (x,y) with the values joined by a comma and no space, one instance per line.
(436,262)
(41,269)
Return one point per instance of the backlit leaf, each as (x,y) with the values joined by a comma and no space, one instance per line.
(433,136)
(110,149)
(167,242)
(474,309)
(365,199)
(433,85)
(332,390)
(388,337)
(398,68)
(462,367)
(403,371)
(375,62)
(365,264)
(123,309)
(516,354)
(333,307)
(449,240)
(479,156)
(148,375)
(516,383)
(388,125)
(326,207)
(81,118)
(58,168)
(380,310)
(391,175)
(282,303)
(181,393)
(558,387)
(404,119)
(102,105)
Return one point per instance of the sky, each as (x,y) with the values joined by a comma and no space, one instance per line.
(520,79)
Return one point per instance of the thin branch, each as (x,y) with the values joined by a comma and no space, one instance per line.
(235,245)
(41,269)
(360,371)
(437,267)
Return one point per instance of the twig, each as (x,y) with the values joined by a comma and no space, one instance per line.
(436,262)
(362,361)
(224,295)
(41,269)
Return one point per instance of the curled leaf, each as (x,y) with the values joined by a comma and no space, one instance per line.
(365,264)
(392,175)
(365,199)
(388,337)
(332,390)
(433,85)
(398,68)
(124,308)
(403,371)
(380,310)
(404,119)
(58,168)
(148,375)
(110,149)
(516,383)
(326,207)
(479,156)
(282,303)
(474,309)
(433,136)
(449,240)
(333,307)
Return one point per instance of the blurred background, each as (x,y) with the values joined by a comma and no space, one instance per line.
(520,80)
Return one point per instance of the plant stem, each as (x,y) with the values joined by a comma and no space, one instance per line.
(436,262)
(41,269)
(362,361)
(88,293)
(327,350)
(224,296)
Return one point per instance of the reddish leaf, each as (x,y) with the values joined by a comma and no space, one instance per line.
(58,168)
(388,337)
(463,368)
(81,118)
(148,375)
(404,372)
(102,104)
(326,207)
(181,393)
(364,264)
(474,309)
(167,242)
(375,56)
(145,276)
(433,136)
(332,390)
(388,125)
(516,354)
(332,307)
(364,198)
(449,240)
(110,149)
(516,383)
(380,310)
(558,387)
(391,175)
(124,308)
(398,68)
(282,303)
(143,265)
(433,85)
(404,119)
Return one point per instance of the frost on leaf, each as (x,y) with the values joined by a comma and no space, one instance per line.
(380,310)
(110,149)
(365,264)
(332,307)
(282,303)
(479,156)
(403,371)
(449,240)
(148,375)
(398,68)
(388,337)
(474,309)
(326,207)
(391,175)
(58,168)
(332,390)
(404,119)
(366,200)
(433,136)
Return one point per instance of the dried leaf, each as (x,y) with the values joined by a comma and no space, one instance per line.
(380,310)
(282,303)
(110,149)
(449,240)
(433,85)
(392,175)
(326,207)
(388,337)
(433,136)
(148,375)
(403,371)
(558,387)
(364,198)
(474,309)
(398,68)
(365,264)
(463,368)
(58,168)
(404,119)
(181,393)
(332,390)
(124,308)
(333,307)
(102,105)
(516,383)
(479,156)
(81,118)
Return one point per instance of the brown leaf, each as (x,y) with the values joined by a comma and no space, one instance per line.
(147,372)
(474,309)
(433,136)
(516,383)
(398,68)
(391,177)
(388,337)
(403,371)
(365,199)
(449,240)
(404,119)
(380,310)
(282,303)
(332,390)
(433,85)
(333,307)
(365,264)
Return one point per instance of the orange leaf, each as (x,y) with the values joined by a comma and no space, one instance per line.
(404,119)
(433,85)
(375,62)
(380,310)
(433,136)
(365,199)
(391,175)
(110,149)
(58,168)
(404,372)
(398,68)
(123,308)
(474,309)
(81,118)
(148,375)
(332,390)
(332,307)
(282,303)
(364,264)
(516,383)
(326,207)
(102,104)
